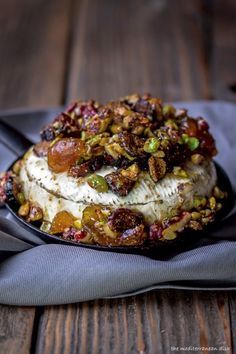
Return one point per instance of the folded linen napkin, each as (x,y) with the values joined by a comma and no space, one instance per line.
(59,274)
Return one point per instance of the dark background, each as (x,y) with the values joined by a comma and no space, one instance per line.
(53,51)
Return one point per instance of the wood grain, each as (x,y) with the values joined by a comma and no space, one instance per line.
(157,46)
(149,323)
(222,74)
(32,67)
(33,45)
(16,326)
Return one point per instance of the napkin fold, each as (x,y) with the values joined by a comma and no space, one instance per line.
(35,273)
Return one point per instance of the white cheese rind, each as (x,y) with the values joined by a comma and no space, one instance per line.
(56,192)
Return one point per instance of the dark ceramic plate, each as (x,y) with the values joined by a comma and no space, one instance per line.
(185,241)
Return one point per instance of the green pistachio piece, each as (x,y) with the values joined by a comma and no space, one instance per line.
(193,143)
(21,198)
(168,110)
(78,224)
(151,145)
(98,182)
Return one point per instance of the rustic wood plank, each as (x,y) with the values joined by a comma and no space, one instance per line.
(119,48)
(33,41)
(149,323)
(223,76)
(232,307)
(33,46)
(16,326)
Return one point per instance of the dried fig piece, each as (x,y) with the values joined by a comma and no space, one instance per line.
(157,168)
(64,154)
(132,144)
(86,167)
(62,125)
(119,184)
(133,237)
(81,170)
(61,221)
(122,219)
(41,149)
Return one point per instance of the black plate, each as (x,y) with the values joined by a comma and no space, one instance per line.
(161,249)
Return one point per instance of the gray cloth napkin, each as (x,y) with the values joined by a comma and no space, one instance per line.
(59,274)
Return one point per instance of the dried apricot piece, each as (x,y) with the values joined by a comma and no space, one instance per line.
(64,153)
(61,221)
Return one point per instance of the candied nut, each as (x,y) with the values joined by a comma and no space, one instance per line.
(35,213)
(168,110)
(180,172)
(77,224)
(24,209)
(122,219)
(199,202)
(133,237)
(180,113)
(212,203)
(137,130)
(17,167)
(218,193)
(115,128)
(195,215)
(151,145)
(20,197)
(131,172)
(119,184)
(157,168)
(170,233)
(197,159)
(195,225)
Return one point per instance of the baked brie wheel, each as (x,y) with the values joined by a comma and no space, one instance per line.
(128,173)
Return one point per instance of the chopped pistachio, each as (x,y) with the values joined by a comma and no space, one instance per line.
(151,145)
(79,161)
(199,202)
(212,202)
(170,232)
(168,110)
(179,172)
(131,172)
(195,215)
(218,193)
(171,124)
(115,128)
(197,159)
(21,198)
(193,143)
(160,154)
(17,167)
(78,224)
(24,209)
(98,182)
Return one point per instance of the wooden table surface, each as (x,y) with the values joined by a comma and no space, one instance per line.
(53,51)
